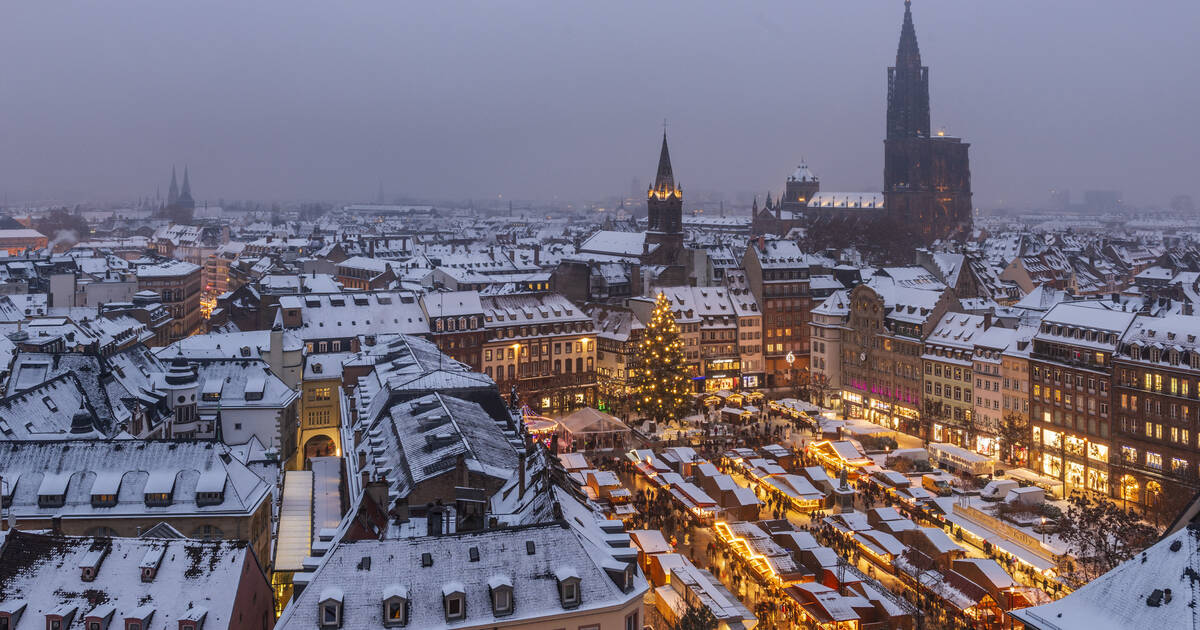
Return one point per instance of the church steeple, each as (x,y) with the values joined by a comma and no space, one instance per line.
(173,191)
(665,180)
(185,193)
(908,86)
(664,200)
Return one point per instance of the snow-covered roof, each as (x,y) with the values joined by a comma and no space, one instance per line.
(421,439)
(191,578)
(847,200)
(615,243)
(802,174)
(532,559)
(144,467)
(160,269)
(1133,595)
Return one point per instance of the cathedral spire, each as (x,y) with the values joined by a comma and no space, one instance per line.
(173,191)
(908,86)
(186,191)
(908,54)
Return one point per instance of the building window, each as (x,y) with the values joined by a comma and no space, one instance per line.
(455,606)
(330,614)
(1153,460)
(395,611)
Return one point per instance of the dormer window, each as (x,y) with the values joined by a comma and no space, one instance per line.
(52,500)
(158,499)
(501,590)
(193,619)
(454,601)
(331,608)
(60,617)
(568,586)
(395,605)
(10,613)
(139,619)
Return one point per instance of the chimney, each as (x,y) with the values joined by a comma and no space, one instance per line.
(521,472)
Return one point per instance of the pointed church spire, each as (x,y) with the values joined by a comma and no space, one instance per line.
(908,55)
(665,179)
(173,191)
(754,206)
(908,86)
(186,191)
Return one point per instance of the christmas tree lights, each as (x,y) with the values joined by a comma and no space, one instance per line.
(659,383)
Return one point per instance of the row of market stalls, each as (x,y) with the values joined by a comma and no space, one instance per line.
(820,588)
(735,407)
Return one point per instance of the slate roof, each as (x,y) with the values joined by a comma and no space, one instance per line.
(528,558)
(1133,594)
(43,573)
(422,438)
(80,464)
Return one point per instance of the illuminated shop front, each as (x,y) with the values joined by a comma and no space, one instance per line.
(722,374)
(987,445)
(886,414)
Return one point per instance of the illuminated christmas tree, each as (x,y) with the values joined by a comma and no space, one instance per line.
(659,382)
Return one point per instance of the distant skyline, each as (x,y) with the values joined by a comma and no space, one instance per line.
(540,100)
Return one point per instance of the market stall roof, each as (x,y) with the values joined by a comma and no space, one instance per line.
(588,420)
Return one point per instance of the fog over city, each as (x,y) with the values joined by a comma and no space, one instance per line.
(284,100)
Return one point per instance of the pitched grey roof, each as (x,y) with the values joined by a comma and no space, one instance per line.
(127,468)
(362,572)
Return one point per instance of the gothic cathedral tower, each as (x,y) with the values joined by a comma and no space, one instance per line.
(664,210)
(926,177)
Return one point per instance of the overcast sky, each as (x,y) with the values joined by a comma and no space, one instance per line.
(288,100)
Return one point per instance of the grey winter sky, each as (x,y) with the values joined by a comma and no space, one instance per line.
(291,100)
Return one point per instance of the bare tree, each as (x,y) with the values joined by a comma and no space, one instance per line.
(1099,535)
(1015,434)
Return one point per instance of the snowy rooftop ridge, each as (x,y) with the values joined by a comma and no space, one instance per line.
(1156,589)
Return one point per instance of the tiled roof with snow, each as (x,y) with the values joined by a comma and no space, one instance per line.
(422,438)
(193,580)
(140,464)
(169,268)
(615,243)
(1133,595)
(528,558)
(353,314)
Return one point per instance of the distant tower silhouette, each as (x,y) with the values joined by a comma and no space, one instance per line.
(926,178)
(173,191)
(185,200)
(908,86)
(801,186)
